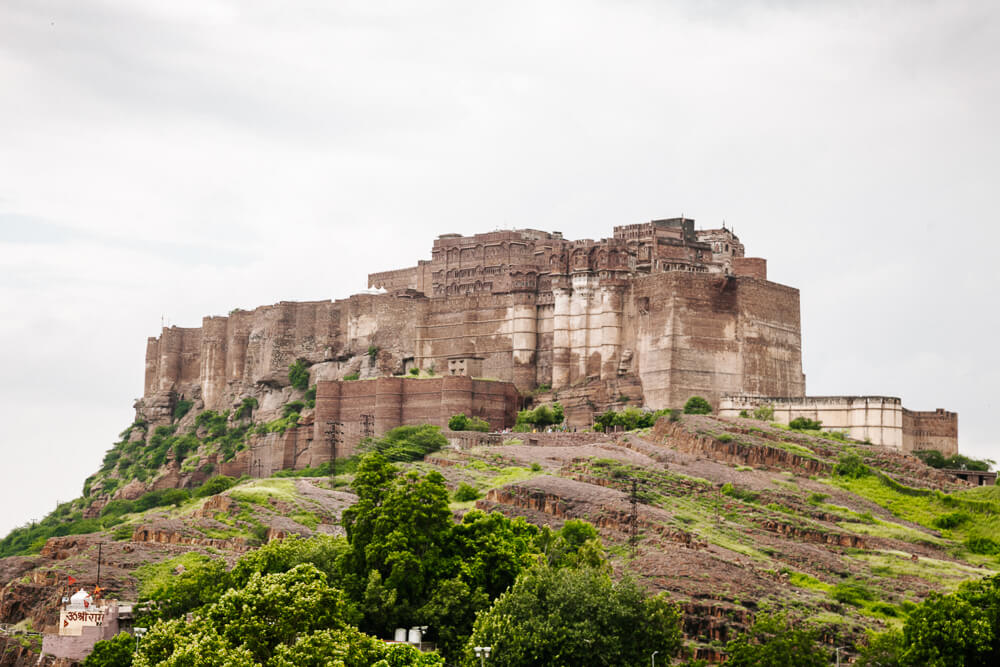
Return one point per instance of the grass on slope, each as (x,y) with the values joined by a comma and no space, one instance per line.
(970,518)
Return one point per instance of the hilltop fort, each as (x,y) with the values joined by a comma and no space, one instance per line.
(653,315)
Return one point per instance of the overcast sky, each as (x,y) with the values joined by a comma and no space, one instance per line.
(180,159)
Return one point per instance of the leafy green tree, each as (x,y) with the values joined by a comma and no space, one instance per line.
(460,422)
(451,611)
(696,405)
(575,616)
(489,551)
(201,583)
(275,609)
(321,551)
(882,650)
(957,630)
(576,544)
(398,528)
(114,652)
(178,643)
(542,416)
(773,641)
(350,648)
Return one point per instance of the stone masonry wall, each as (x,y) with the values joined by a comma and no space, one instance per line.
(396,401)
(936,429)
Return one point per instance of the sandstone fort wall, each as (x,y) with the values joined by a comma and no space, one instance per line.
(937,429)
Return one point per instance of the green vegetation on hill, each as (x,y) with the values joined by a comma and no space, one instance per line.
(67,519)
(540,417)
(404,562)
(460,422)
(298,375)
(936,459)
(696,405)
(628,419)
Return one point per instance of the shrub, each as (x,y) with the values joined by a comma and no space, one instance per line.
(465,492)
(852,466)
(817,498)
(246,408)
(950,520)
(541,416)
(629,419)
(744,414)
(122,533)
(372,352)
(764,413)
(414,371)
(982,545)
(298,374)
(214,486)
(182,407)
(804,424)
(351,376)
(696,405)
(292,407)
(460,422)
(675,415)
(536,467)
(725,437)
(852,593)
(741,494)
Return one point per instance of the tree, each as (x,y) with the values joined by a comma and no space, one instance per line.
(952,630)
(696,405)
(114,652)
(398,528)
(773,641)
(350,648)
(460,422)
(883,650)
(201,583)
(542,416)
(575,616)
(275,609)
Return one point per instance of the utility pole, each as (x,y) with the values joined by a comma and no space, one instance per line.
(368,426)
(633,538)
(335,435)
(99,545)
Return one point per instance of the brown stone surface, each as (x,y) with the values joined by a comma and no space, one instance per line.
(936,429)
(658,312)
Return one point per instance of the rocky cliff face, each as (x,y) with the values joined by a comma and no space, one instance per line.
(248,353)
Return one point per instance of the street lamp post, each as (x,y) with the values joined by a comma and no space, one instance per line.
(838,649)
(482,652)
(139,632)
(653,658)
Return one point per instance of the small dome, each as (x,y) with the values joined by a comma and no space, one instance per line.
(80,597)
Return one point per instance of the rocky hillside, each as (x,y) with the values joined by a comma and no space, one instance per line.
(731,517)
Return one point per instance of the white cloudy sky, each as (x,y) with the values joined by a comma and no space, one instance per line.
(179,159)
